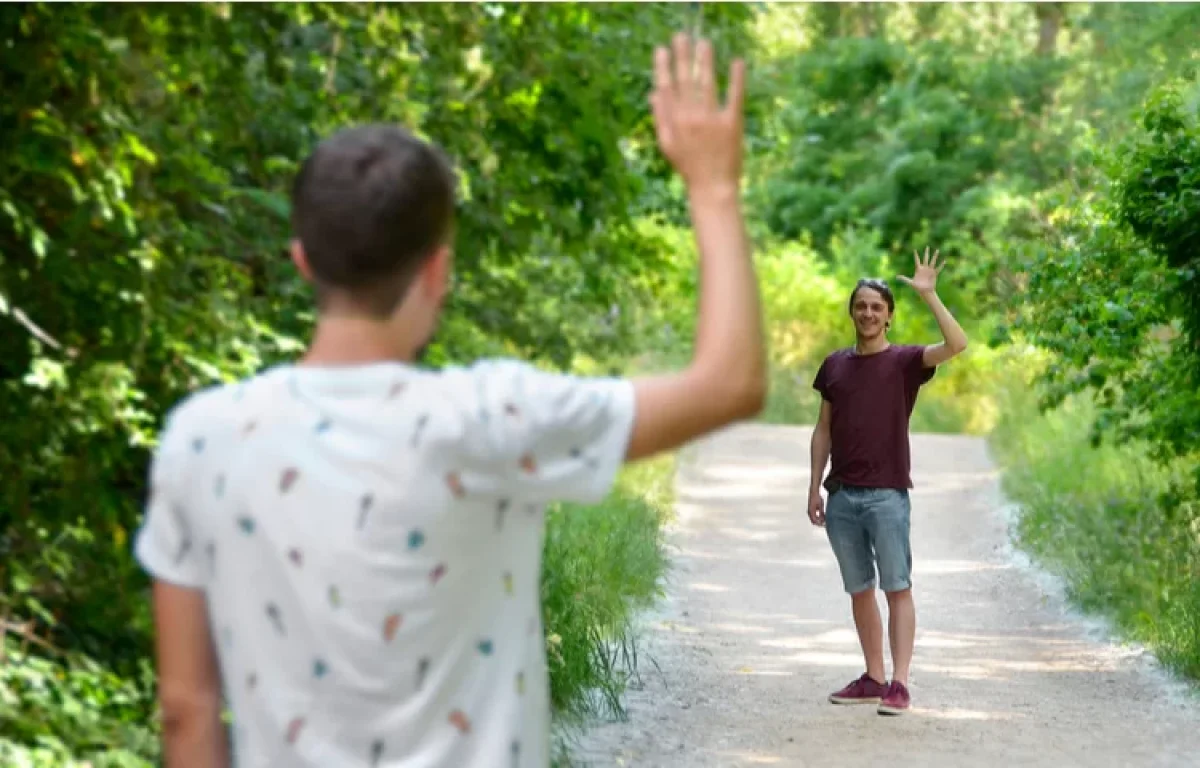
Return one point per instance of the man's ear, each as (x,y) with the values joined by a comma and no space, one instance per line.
(435,275)
(300,259)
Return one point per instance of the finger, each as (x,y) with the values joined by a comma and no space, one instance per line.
(663,81)
(663,127)
(926,259)
(684,79)
(916,259)
(706,89)
(904,279)
(937,261)
(736,95)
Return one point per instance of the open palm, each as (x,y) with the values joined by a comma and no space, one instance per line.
(925,272)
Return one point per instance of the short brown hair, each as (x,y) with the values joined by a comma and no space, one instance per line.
(370,205)
(874,284)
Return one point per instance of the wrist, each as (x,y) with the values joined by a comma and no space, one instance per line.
(710,193)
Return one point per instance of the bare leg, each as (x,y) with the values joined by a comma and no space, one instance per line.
(902,629)
(870,632)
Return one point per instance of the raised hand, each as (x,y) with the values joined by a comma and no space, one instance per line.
(925,272)
(701,138)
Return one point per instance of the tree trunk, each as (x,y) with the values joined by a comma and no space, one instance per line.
(1050,19)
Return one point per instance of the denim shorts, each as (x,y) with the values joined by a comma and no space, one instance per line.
(869,526)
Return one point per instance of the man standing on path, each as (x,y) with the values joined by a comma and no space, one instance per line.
(867,396)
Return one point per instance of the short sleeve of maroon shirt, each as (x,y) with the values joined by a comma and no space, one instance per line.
(872,398)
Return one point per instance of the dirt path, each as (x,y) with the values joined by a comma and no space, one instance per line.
(756,632)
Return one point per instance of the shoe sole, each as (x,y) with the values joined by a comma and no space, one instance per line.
(850,702)
(892,711)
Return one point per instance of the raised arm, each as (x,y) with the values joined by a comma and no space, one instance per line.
(726,379)
(924,282)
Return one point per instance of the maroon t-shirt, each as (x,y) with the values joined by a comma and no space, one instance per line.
(872,398)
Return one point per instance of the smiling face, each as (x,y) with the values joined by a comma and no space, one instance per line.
(871,307)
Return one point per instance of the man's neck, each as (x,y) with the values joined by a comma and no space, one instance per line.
(871,346)
(357,341)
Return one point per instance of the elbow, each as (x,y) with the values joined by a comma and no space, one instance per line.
(730,396)
(752,398)
(743,400)
(751,394)
(960,345)
(189,711)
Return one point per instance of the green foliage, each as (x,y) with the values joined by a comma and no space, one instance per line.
(1118,525)
(72,712)
(143,229)
(922,140)
(1115,293)
(143,234)
(602,565)
(143,226)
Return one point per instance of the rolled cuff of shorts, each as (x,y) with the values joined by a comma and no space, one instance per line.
(902,585)
(854,589)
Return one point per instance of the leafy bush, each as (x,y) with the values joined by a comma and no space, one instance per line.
(60,712)
(1119,526)
(1114,294)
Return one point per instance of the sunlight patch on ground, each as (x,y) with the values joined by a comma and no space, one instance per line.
(832,637)
(741,629)
(744,758)
(934,639)
(700,587)
(742,534)
(792,562)
(828,659)
(965,714)
(997,669)
(757,473)
(945,567)
(761,672)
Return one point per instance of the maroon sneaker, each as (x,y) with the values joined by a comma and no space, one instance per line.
(864,690)
(896,700)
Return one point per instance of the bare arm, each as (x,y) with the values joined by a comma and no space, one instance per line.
(726,380)
(954,338)
(189,686)
(924,281)
(821,447)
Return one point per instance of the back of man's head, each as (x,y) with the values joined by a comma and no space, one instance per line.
(369,206)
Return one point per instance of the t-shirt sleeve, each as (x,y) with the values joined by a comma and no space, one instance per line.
(164,545)
(551,437)
(914,366)
(820,381)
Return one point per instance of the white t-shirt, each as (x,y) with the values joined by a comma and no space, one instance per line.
(369,539)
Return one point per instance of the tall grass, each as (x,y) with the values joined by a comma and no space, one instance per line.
(602,564)
(1120,528)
